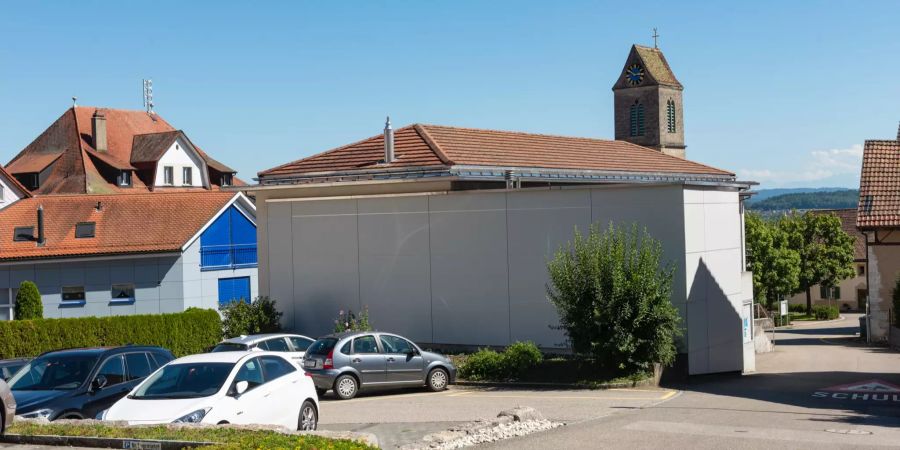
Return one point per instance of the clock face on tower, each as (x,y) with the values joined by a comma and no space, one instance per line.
(634,74)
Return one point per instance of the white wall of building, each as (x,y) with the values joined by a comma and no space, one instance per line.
(852,290)
(9,194)
(470,267)
(179,156)
(201,287)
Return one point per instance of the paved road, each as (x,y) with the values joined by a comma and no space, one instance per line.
(795,400)
(402,417)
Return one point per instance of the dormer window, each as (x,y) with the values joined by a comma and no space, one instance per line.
(84,230)
(186,176)
(124,178)
(168,175)
(29,180)
(227,179)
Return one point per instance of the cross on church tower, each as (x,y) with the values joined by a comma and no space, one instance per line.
(655,36)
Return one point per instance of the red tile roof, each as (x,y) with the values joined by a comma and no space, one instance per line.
(879,185)
(10,179)
(433,145)
(125,224)
(848,224)
(68,142)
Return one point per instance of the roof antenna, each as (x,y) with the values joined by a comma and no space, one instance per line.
(148,96)
(74,102)
(655,37)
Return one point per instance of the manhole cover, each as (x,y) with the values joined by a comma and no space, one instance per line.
(832,430)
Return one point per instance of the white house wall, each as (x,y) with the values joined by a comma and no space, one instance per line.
(10,194)
(201,287)
(179,156)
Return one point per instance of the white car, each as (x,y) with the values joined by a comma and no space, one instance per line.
(293,345)
(262,388)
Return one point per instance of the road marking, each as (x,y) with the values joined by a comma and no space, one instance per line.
(670,394)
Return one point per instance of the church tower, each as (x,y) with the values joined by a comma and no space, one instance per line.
(648,106)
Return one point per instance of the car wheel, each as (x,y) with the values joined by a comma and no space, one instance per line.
(346,387)
(309,417)
(321,392)
(438,379)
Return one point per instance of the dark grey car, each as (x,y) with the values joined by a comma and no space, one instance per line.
(348,362)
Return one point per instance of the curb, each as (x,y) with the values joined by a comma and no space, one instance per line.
(805,323)
(97,442)
(537,385)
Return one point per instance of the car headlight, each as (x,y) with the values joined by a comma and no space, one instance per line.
(194,417)
(38,414)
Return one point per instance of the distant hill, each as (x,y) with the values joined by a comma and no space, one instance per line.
(763,194)
(815,199)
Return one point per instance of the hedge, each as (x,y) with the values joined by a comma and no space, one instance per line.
(189,332)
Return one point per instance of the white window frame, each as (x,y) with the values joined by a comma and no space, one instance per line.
(9,301)
(187,176)
(169,175)
(125,178)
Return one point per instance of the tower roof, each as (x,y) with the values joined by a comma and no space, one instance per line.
(654,63)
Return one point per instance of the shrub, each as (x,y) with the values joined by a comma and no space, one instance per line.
(826,312)
(797,308)
(352,322)
(242,318)
(487,364)
(28,302)
(613,297)
(185,333)
(896,303)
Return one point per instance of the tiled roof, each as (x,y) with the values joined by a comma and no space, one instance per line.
(69,141)
(10,179)
(879,185)
(125,224)
(151,146)
(656,64)
(848,224)
(433,145)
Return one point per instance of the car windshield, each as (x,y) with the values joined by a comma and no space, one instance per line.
(321,347)
(229,347)
(192,380)
(54,372)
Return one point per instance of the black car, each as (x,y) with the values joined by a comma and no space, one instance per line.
(82,383)
(9,367)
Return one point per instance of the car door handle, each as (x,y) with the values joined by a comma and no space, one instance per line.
(356,360)
(390,360)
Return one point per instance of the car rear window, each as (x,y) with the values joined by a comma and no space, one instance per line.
(322,346)
(229,347)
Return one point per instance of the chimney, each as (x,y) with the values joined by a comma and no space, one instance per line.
(388,141)
(98,127)
(40,225)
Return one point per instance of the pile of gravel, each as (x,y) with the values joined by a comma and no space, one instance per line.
(515,422)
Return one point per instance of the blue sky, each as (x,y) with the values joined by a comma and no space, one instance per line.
(783,93)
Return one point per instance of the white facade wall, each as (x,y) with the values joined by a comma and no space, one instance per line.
(853,292)
(9,194)
(469,267)
(201,287)
(179,156)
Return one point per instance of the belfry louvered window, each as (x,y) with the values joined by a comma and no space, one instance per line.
(670,115)
(636,121)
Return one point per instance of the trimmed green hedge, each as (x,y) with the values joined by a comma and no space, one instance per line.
(189,332)
(488,365)
(826,312)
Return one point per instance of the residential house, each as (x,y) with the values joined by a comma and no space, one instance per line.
(121,213)
(444,233)
(879,220)
(10,189)
(851,293)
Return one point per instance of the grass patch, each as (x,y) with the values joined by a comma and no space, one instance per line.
(226,438)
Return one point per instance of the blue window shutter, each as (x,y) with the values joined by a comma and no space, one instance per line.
(230,241)
(231,289)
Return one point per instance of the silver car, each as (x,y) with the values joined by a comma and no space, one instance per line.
(348,362)
(7,407)
(293,344)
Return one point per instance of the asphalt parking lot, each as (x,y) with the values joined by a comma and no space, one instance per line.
(399,417)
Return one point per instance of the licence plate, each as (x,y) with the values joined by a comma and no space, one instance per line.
(309,363)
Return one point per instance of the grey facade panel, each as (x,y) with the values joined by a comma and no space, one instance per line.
(394,264)
(326,269)
(469,269)
(280,262)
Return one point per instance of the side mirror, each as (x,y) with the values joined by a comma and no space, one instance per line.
(99,383)
(240,387)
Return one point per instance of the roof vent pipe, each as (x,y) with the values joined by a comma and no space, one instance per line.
(98,127)
(388,141)
(40,225)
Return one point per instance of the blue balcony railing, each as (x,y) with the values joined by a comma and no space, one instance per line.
(228,256)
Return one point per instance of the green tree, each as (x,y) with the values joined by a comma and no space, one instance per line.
(28,302)
(825,249)
(775,265)
(242,318)
(613,295)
